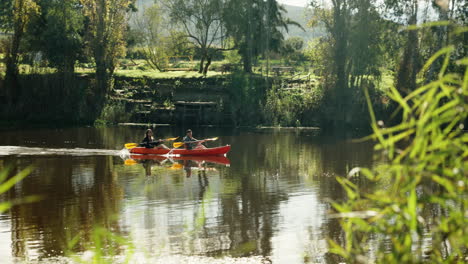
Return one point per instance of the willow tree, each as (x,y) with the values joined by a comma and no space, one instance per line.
(256,27)
(107,24)
(15,16)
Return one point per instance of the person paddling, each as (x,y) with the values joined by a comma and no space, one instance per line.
(149,142)
(192,143)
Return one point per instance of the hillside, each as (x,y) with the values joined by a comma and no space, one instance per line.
(299,15)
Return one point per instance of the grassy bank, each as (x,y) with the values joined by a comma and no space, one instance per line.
(289,99)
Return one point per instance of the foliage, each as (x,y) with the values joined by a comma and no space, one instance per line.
(6,11)
(319,55)
(57,34)
(350,55)
(255,27)
(6,183)
(18,16)
(292,49)
(104,247)
(247,95)
(113,113)
(155,45)
(107,21)
(232,56)
(426,171)
(294,107)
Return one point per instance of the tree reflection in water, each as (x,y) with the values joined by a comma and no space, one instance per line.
(271,202)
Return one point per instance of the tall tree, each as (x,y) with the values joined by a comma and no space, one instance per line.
(202,22)
(337,22)
(107,21)
(256,27)
(16,15)
(365,42)
(355,39)
(406,13)
(455,12)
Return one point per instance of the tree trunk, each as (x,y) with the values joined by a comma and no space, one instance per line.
(11,75)
(248,54)
(208,63)
(406,78)
(247,63)
(100,57)
(441,33)
(340,53)
(101,80)
(202,61)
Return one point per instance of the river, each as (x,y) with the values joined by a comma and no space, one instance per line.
(267,201)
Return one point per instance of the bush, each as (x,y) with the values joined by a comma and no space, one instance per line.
(113,113)
(297,107)
(247,95)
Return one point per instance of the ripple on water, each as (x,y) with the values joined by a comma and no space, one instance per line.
(142,258)
(27,151)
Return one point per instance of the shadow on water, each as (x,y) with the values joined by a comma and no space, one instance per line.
(268,200)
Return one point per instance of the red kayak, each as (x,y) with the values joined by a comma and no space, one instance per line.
(186,152)
(212,159)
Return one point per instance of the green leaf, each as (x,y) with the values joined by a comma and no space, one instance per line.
(429,24)
(412,209)
(15,179)
(447,184)
(444,51)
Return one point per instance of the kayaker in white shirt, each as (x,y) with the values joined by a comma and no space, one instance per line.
(192,143)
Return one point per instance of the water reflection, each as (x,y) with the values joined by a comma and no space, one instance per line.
(269,198)
(187,163)
(78,194)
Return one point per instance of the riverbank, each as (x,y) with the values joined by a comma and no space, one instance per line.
(234,99)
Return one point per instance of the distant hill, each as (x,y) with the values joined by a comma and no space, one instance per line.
(299,15)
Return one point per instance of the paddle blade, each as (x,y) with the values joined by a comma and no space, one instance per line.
(130,162)
(131,145)
(176,166)
(171,139)
(178,144)
(211,139)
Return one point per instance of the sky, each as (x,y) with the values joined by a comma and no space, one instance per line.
(300,3)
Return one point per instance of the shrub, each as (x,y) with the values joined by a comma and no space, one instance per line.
(113,113)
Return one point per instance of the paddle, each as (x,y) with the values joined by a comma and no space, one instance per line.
(180,144)
(134,145)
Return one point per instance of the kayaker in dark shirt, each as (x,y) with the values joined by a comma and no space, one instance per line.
(192,143)
(149,142)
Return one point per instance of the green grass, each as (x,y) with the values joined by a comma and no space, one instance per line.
(139,68)
(162,75)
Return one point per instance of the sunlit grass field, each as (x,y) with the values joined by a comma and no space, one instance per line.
(140,69)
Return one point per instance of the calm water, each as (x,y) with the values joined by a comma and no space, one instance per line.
(268,201)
